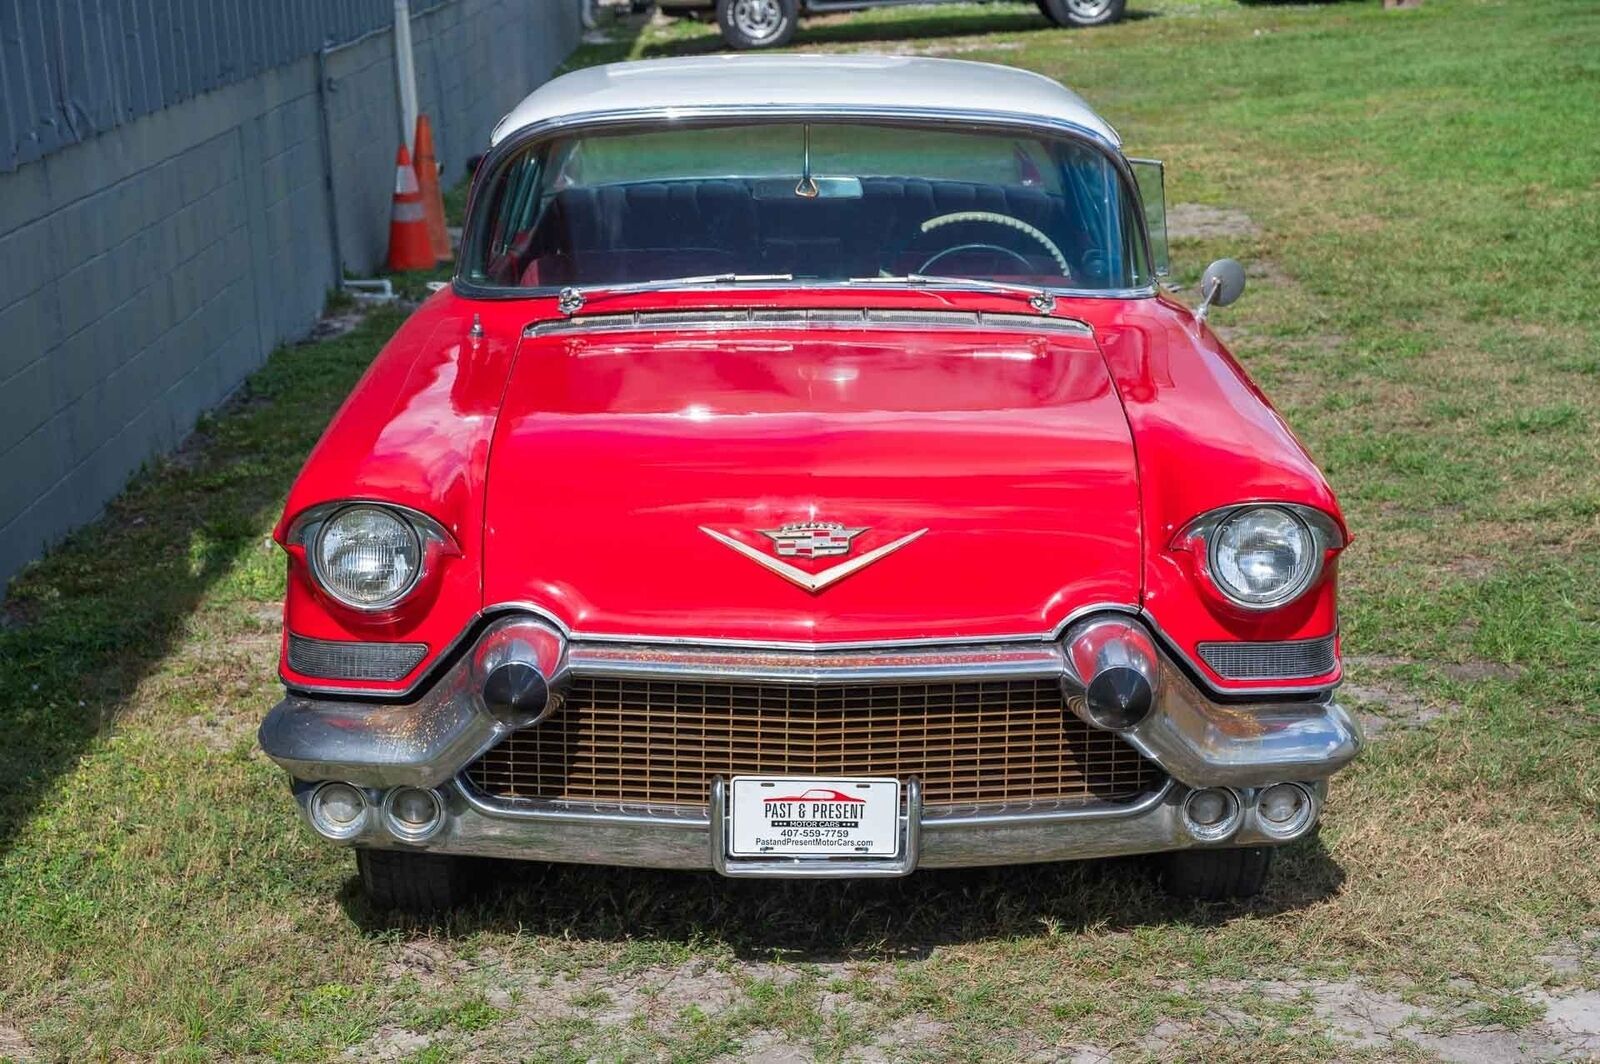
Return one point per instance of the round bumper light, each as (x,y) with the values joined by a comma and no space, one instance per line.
(338,810)
(412,813)
(1284,810)
(1212,814)
(516,694)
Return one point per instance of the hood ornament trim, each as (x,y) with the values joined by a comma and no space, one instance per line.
(812,582)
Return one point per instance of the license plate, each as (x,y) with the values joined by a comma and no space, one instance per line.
(781,816)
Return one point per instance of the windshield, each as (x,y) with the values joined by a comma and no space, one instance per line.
(817,201)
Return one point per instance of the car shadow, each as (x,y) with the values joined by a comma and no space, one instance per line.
(78,634)
(830,920)
(82,628)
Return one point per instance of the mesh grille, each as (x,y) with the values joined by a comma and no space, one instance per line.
(353,661)
(661,741)
(1270,661)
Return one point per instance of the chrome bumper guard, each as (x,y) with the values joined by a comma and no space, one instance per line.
(1200,743)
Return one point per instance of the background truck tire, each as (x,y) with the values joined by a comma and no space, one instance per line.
(412,882)
(749,24)
(1217,875)
(1083,12)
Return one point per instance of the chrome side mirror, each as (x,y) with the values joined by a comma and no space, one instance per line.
(1221,285)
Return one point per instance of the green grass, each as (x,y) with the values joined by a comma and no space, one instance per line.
(1426,211)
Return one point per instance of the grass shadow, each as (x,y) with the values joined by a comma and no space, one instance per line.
(826,920)
(85,625)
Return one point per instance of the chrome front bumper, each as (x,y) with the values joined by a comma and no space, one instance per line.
(943,837)
(1199,742)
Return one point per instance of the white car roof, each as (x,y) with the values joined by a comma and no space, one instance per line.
(801,84)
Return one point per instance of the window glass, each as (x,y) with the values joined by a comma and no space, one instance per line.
(817,201)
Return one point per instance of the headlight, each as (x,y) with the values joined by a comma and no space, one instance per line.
(1263,556)
(367,557)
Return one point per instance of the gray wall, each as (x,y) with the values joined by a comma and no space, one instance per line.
(70,69)
(147,269)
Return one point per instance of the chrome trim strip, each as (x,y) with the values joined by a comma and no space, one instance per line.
(575,813)
(752,113)
(953,817)
(849,644)
(756,112)
(1001,661)
(717,320)
(935,817)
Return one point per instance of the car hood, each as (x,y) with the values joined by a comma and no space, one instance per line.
(970,483)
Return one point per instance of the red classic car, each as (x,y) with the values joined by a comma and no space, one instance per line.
(803,425)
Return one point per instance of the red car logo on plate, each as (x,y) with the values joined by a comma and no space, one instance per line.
(820,794)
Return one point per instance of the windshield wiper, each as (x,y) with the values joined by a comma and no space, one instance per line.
(572,298)
(1040,299)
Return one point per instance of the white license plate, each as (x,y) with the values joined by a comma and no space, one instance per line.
(781,816)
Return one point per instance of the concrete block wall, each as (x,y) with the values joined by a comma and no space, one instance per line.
(528,38)
(145,272)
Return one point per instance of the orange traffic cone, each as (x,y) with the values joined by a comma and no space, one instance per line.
(409,248)
(428,181)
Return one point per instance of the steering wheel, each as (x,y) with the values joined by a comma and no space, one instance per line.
(1021,259)
(991,218)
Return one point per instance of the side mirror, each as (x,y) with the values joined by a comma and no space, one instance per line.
(1221,285)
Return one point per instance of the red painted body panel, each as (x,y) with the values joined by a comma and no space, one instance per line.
(574,473)
(1011,449)
(1207,438)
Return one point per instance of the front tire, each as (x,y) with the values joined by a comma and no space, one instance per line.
(747,24)
(1218,875)
(1083,12)
(412,882)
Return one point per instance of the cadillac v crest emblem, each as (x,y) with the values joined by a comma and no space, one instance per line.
(808,540)
(812,539)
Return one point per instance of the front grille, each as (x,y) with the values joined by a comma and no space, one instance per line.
(1298,660)
(662,741)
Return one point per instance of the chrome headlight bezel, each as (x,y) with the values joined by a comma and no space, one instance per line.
(308,530)
(1201,536)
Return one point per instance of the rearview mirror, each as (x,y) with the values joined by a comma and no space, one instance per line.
(1220,285)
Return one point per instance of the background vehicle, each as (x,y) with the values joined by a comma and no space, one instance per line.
(772,23)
